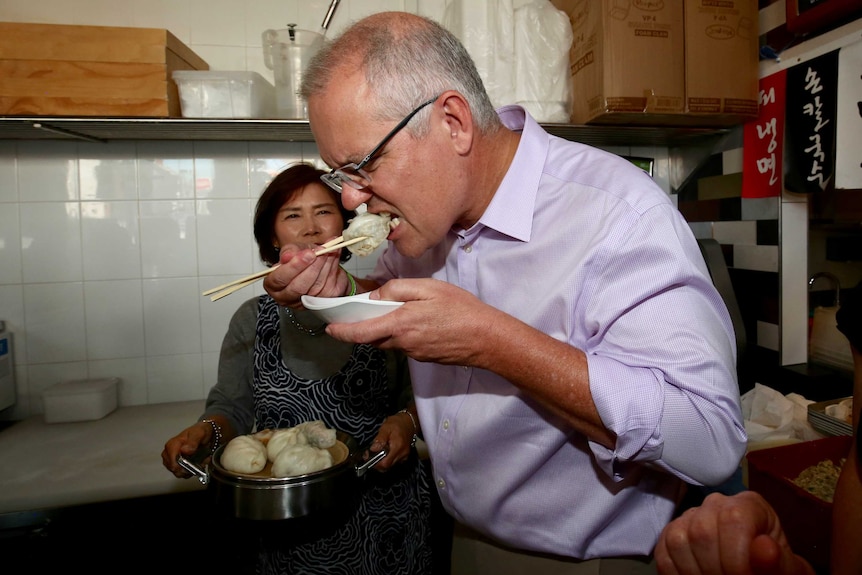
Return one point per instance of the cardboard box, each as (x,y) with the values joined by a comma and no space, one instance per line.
(721,61)
(626,60)
(65,70)
(806,519)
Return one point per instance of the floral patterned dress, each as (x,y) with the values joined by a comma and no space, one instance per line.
(387,530)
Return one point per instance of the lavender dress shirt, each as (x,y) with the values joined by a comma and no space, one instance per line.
(585,247)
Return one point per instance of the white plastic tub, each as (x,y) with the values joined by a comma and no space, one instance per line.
(208,94)
(80,400)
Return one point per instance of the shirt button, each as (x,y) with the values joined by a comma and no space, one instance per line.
(468,249)
(445,424)
(441,484)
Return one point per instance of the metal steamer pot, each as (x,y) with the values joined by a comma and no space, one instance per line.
(260,497)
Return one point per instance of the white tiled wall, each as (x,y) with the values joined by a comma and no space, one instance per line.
(106,248)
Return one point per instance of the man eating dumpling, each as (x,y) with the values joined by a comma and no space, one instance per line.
(572,361)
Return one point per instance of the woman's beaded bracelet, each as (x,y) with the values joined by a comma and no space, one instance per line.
(352,281)
(216,433)
(415,426)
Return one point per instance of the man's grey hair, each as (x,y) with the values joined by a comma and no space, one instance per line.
(404,64)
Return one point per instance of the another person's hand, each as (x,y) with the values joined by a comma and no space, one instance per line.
(186,443)
(728,535)
(301,272)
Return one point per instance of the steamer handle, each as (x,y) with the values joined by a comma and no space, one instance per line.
(361,469)
(193,469)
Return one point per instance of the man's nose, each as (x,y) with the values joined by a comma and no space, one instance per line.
(351,198)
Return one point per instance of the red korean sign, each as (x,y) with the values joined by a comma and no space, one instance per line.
(763,141)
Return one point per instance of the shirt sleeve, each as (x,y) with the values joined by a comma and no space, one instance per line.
(662,358)
(231,396)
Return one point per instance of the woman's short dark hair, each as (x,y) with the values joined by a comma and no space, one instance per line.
(279,191)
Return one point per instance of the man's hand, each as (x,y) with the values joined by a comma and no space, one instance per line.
(439,322)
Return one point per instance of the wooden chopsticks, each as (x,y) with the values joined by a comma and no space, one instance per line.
(223,290)
(331,247)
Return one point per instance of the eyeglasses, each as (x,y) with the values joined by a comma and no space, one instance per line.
(352,174)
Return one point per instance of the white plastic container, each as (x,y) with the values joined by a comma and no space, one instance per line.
(209,94)
(80,400)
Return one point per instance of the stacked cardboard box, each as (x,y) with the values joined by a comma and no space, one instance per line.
(65,70)
(663,62)
(626,59)
(721,62)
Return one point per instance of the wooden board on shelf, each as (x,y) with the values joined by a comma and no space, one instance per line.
(67,70)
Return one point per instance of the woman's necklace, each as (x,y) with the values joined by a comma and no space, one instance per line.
(294,321)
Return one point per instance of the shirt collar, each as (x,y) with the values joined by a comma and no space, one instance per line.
(511,209)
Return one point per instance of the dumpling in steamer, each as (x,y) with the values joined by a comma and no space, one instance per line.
(263,435)
(296,460)
(282,438)
(374,226)
(244,454)
(317,434)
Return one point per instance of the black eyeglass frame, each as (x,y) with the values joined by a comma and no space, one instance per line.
(336,177)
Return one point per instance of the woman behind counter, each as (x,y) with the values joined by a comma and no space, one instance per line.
(278,368)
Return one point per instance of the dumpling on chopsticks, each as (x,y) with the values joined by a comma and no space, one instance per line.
(244,454)
(296,460)
(374,226)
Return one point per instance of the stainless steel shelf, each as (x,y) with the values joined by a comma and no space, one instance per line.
(111,129)
(108,129)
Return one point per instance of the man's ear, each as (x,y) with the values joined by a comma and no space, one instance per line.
(458,119)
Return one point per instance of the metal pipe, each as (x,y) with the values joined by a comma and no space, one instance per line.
(329,14)
(56,130)
(836,285)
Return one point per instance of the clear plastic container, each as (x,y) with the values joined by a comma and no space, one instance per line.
(209,94)
(287,53)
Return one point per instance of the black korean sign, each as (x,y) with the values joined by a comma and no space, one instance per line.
(811,118)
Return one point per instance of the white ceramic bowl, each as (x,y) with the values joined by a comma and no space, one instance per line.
(348,309)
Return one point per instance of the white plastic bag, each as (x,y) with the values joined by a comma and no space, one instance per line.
(772,417)
(543,84)
(485,28)
(521,50)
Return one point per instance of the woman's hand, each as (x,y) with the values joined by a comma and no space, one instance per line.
(190,440)
(186,443)
(396,435)
(302,272)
